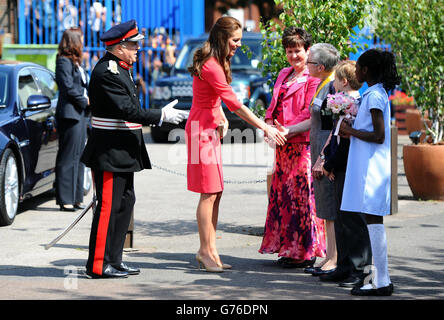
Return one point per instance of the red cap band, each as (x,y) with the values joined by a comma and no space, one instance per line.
(130,33)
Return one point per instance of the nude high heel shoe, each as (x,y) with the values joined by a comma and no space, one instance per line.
(226,266)
(202,265)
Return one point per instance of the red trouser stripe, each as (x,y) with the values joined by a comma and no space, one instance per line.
(102,229)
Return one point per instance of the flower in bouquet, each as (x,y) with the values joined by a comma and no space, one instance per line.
(341,104)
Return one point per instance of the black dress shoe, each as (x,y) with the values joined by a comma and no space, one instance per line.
(79,206)
(303,264)
(125,268)
(320,272)
(353,281)
(383,291)
(108,272)
(63,208)
(311,269)
(335,276)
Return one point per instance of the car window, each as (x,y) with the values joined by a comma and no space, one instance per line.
(3,89)
(26,87)
(46,82)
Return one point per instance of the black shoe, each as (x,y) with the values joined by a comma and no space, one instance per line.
(303,264)
(383,291)
(311,269)
(127,269)
(108,272)
(282,260)
(335,276)
(63,208)
(79,206)
(353,281)
(320,272)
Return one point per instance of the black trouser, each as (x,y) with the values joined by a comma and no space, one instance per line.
(115,202)
(69,169)
(352,239)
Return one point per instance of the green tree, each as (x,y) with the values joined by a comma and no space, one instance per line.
(415,32)
(328,21)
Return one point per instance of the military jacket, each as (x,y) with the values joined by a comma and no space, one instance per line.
(114,100)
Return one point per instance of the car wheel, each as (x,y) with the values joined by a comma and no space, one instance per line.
(9,188)
(87,181)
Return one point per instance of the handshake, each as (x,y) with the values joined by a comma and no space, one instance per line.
(283,132)
(171,115)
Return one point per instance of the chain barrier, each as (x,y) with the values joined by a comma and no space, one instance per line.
(225,181)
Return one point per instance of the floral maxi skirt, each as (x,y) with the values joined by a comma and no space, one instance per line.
(292,229)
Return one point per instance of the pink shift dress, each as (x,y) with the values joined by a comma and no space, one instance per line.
(204,169)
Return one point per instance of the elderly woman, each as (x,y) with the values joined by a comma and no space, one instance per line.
(321,62)
(292,229)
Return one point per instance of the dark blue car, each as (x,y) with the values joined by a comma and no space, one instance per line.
(248,83)
(28,135)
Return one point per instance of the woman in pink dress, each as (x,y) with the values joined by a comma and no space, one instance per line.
(207,124)
(292,229)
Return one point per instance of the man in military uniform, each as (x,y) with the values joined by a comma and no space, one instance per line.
(115,148)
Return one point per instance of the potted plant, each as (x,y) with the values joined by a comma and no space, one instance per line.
(407,116)
(414,32)
(333,22)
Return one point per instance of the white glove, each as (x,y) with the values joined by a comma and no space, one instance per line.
(171,115)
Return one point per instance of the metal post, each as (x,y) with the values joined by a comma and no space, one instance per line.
(22,22)
(394,167)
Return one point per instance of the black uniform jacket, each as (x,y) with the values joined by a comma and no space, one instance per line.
(113,95)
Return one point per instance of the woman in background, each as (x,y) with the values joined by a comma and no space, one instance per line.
(71,116)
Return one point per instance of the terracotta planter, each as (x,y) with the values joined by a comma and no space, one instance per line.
(423,166)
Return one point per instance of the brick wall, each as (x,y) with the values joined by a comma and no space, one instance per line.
(7,21)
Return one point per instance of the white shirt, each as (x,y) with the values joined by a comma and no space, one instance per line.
(84,76)
(368,175)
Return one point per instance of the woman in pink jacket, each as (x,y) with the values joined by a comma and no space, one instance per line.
(292,229)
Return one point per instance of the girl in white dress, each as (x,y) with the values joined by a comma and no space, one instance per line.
(367,180)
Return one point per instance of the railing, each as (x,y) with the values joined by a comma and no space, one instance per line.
(165,23)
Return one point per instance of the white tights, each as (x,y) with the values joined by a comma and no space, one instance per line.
(378,242)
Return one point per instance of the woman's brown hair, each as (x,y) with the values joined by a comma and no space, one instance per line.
(216,46)
(295,37)
(71,45)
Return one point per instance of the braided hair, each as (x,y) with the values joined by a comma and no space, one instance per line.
(381,67)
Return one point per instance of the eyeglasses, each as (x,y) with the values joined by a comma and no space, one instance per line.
(136,46)
(311,62)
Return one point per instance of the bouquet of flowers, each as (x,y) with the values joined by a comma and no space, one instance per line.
(341,106)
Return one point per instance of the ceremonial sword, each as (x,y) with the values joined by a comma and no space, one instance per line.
(92,204)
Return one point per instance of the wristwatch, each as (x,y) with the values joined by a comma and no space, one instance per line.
(322,157)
